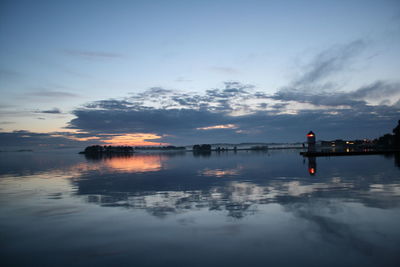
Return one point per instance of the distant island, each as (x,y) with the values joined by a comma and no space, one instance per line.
(19,150)
(124,150)
(97,150)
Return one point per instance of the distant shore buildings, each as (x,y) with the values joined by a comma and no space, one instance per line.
(384,142)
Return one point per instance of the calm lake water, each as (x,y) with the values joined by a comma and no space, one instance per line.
(181,209)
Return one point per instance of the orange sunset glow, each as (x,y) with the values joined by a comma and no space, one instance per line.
(84,138)
(142,163)
(134,163)
(137,139)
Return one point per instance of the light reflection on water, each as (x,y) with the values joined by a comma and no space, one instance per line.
(129,163)
(241,209)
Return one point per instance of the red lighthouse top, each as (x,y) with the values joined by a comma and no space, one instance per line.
(311,134)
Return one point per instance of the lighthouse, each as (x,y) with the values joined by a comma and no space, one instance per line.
(311,141)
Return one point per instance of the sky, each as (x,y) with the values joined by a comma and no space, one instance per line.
(74,73)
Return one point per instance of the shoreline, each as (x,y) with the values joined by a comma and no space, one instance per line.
(350,153)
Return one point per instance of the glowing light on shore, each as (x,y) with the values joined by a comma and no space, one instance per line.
(221,126)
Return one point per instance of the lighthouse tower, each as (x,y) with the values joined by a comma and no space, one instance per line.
(311,141)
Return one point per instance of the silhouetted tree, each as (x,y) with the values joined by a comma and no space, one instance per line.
(196,147)
(96,149)
(396,137)
(203,147)
(385,141)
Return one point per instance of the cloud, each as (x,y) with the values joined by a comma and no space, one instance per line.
(315,86)
(34,140)
(237,112)
(217,127)
(182,79)
(378,90)
(91,54)
(37,141)
(52,94)
(181,118)
(109,104)
(142,121)
(184,118)
(50,111)
(328,62)
(225,70)
(6,74)
(320,99)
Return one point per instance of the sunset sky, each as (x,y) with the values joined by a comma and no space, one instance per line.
(74,73)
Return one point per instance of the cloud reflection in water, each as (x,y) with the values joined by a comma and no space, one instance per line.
(265,204)
(165,185)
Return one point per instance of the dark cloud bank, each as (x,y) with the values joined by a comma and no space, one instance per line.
(26,139)
(179,116)
(50,111)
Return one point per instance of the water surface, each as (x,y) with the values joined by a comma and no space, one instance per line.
(183,209)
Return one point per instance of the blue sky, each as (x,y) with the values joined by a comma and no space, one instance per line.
(58,57)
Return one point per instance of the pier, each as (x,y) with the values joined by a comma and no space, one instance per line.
(344,153)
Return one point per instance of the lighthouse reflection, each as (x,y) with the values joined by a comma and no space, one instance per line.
(312,166)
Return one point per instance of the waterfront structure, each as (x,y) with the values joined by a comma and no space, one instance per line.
(311,141)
